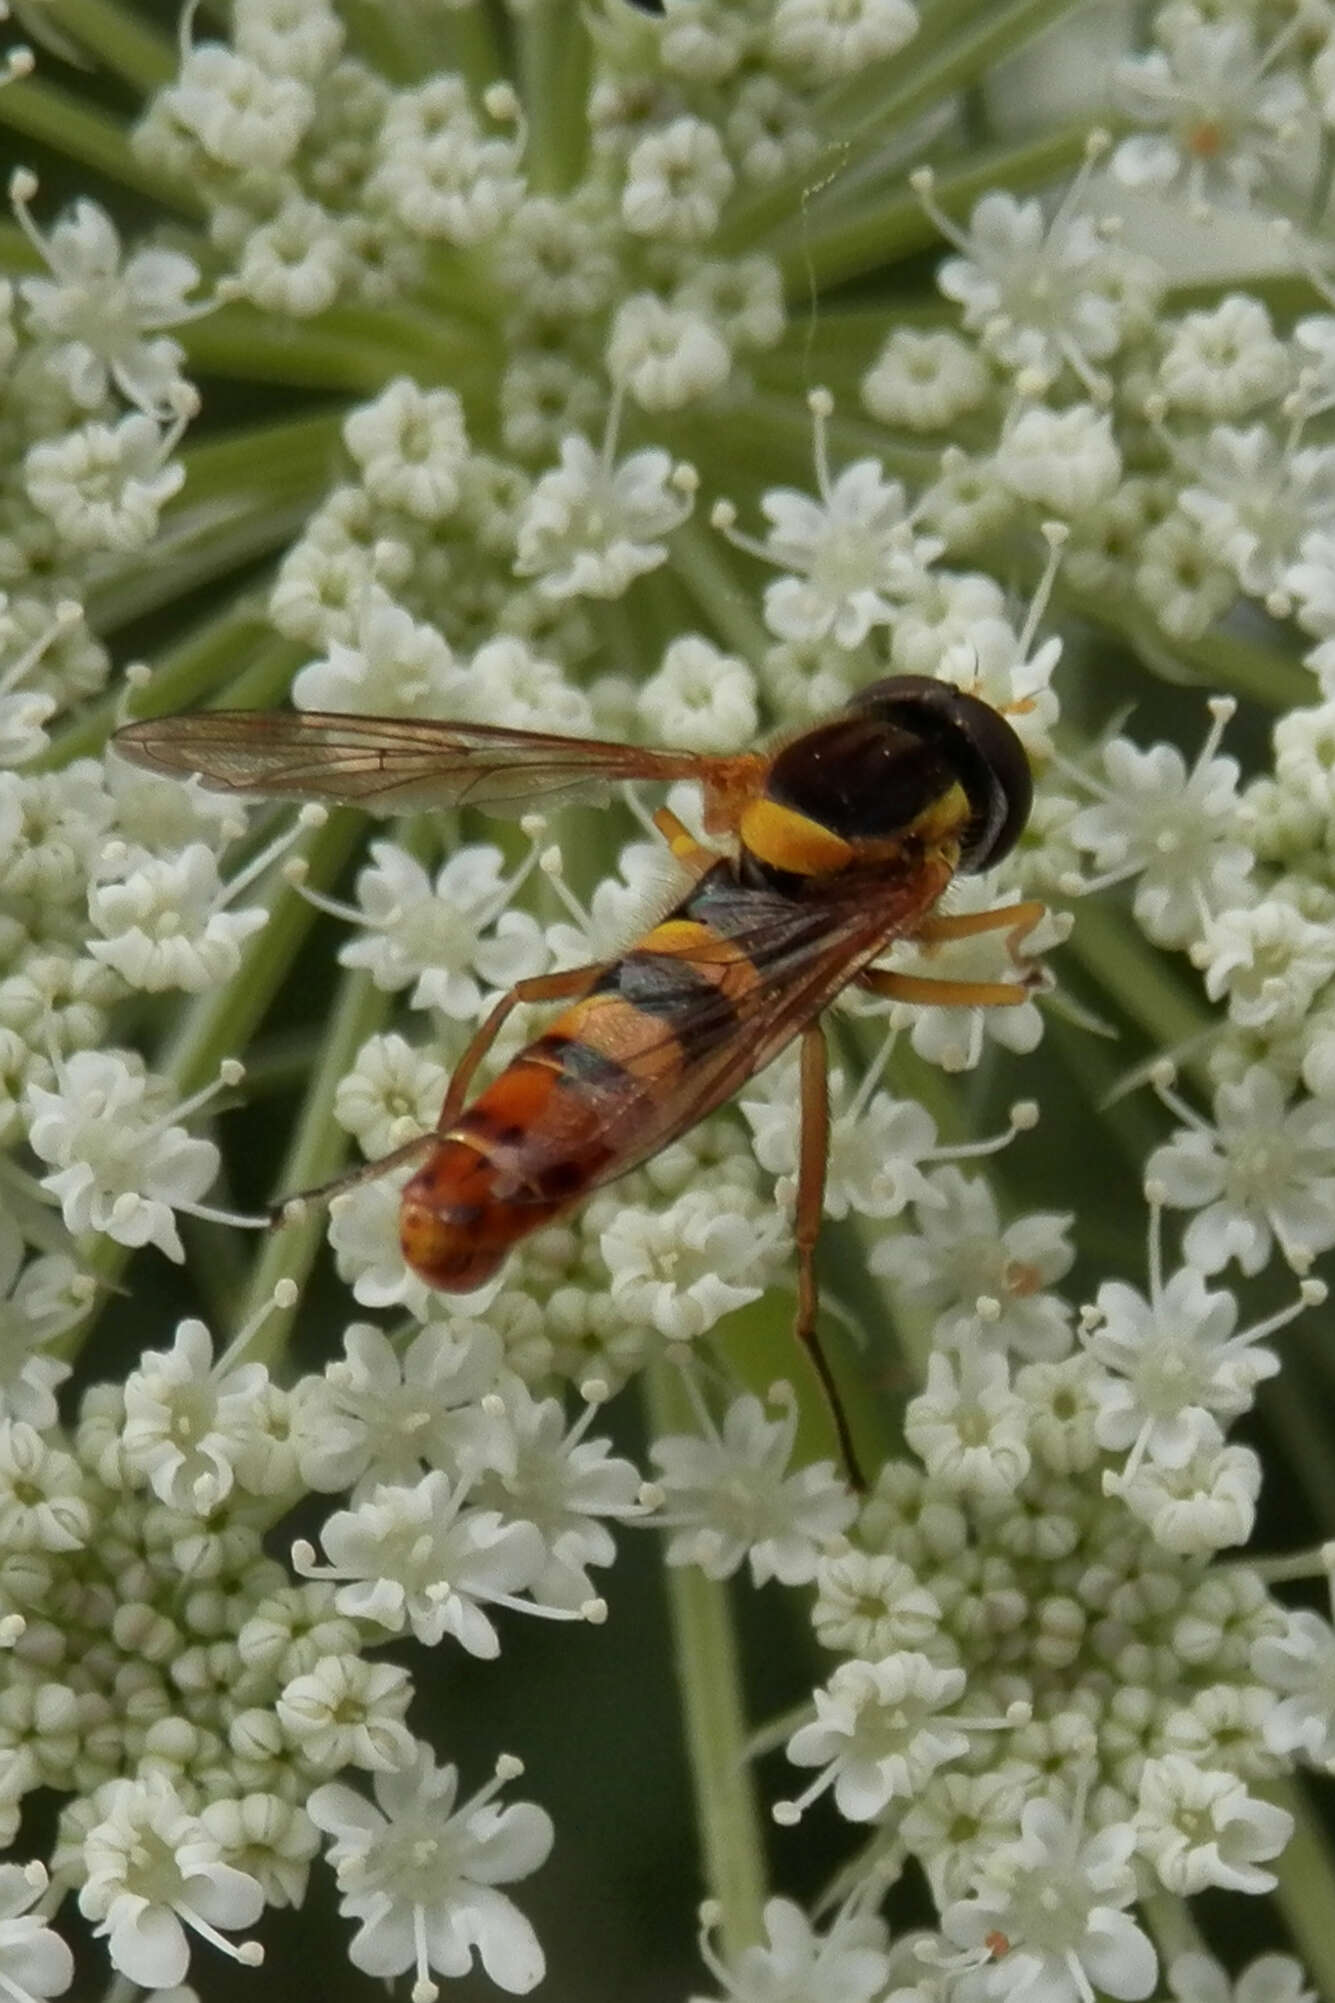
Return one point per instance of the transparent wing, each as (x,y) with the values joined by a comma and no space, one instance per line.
(398,764)
(804,955)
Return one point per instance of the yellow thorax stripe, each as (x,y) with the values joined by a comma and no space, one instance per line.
(784,839)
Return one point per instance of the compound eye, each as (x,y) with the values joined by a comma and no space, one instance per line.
(987,756)
(1003,793)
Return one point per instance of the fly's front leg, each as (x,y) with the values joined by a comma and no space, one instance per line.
(1017,920)
(813,1152)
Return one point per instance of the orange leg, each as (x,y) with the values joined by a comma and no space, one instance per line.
(1018,919)
(894,986)
(570,984)
(687,850)
(813,1152)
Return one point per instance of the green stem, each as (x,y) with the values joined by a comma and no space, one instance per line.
(1113,952)
(59,120)
(121,41)
(1306,1891)
(712,581)
(355,348)
(316,1152)
(554,60)
(709,1678)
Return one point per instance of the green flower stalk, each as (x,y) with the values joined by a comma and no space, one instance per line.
(668,374)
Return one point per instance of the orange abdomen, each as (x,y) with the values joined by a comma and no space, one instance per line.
(583,1103)
(519,1157)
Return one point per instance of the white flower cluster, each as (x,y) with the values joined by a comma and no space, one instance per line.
(560,311)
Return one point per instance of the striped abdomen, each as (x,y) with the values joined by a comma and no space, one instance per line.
(588,1100)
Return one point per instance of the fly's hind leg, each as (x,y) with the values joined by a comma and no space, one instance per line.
(813,1150)
(566,986)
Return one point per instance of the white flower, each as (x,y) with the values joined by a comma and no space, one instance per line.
(987,1285)
(415,1558)
(271,1838)
(1180,576)
(1256,496)
(730,1496)
(683,1268)
(665,356)
(185,1427)
(872,1604)
(925,379)
(1300,1665)
(164,925)
(42,1504)
(530,692)
(852,552)
(1271,1978)
(440,173)
(968,1426)
(390,664)
(430,936)
(1206,1505)
(829,39)
(377,1415)
(876,1150)
(1223,362)
(878,1733)
(393,1091)
(97,312)
(1202,1828)
(37,1302)
(420,1874)
(103,486)
(701,698)
(740,296)
(537,1467)
(345,1711)
(677,180)
(959,1819)
(1223,122)
(242,115)
(1177,829)
(295,262)
(1265,1171)
(592,525)
(1064,461)
(34,1960)
(411,446)
(1170,1364)
(1268,960)
(120,1165)
(300,38)
(152,1870)
(846,1964)
(1056,1897)
(1044,296)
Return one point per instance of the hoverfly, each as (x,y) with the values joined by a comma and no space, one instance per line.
(840,840)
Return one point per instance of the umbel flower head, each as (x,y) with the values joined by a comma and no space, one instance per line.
(667,373)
